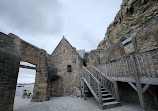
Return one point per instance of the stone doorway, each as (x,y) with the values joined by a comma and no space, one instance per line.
(12,51)
(25,81)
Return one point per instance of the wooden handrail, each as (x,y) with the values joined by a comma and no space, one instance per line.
(146,64)
(105,81)
(92,75)
(103,74)
(93,84)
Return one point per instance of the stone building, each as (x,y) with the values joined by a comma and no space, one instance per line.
(68,62)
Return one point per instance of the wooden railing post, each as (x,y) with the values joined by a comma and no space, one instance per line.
(84,95)
(81,81)
(139,87)
(100,94)
(89,79)
(116,91)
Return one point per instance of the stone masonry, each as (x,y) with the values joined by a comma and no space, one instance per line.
(12,51)
(67,83)
(9,67)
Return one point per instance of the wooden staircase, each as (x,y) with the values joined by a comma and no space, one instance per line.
(139,70)
(102,89)
(87,92)
(108,100)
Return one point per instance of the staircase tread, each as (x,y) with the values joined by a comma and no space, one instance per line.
(106,94)
(87,91)
(104,91)
(111,103)
(108,98)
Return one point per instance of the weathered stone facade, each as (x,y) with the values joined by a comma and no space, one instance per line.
(67,83)
(93,58)
(136,19)
(12,51)
(9,67)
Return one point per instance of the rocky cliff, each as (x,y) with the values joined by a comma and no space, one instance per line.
(134,16)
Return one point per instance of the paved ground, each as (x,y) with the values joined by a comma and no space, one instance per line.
(71,104)
(64,104)
(18,101)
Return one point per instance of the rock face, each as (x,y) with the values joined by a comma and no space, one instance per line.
(137,19)
(68,63)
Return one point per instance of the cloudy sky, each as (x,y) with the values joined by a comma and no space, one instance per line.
(44,22)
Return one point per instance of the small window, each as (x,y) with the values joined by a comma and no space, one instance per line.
(69,68)
(63,50)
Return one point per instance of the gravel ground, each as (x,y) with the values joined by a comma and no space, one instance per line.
(71,104)
(64,104)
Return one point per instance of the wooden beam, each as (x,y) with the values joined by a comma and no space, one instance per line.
(143,80)
(133,86)
(155,98)
(91,89)
(123,79)
(146,87)
(116,91)
(149,80)
(27,67)
(81,81)
(138,85)
(84,95)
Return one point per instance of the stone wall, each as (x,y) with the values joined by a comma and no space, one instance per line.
(93,58)
(96,57)
(67,83)
(112,53)
(9,67)
(125,90)
(12,51)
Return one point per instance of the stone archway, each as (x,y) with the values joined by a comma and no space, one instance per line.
(12,51)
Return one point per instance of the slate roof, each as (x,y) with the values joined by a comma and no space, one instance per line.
(81,53)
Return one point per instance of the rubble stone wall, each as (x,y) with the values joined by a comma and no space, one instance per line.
(12,51)
(68,83)
(9,67)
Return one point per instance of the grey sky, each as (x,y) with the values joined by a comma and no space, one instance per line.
(44,22)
